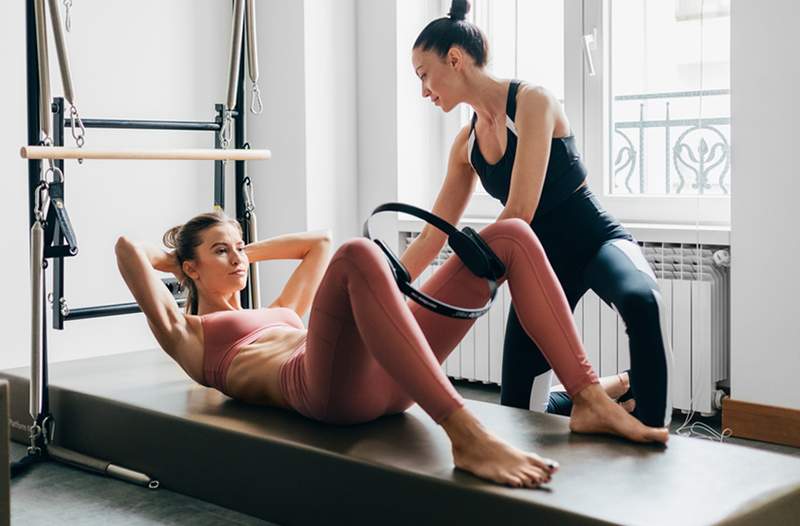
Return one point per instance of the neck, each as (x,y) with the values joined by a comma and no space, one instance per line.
(208,303)
(487,96)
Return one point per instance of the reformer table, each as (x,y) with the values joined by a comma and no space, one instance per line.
(141,409)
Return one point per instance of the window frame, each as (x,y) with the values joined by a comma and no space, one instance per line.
(588,108)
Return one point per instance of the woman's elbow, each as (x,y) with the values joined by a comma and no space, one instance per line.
(525,214)
(124,247)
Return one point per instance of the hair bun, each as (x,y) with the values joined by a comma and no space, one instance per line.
(458,10)
(170,238)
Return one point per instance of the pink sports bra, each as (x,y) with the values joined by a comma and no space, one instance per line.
(226,332)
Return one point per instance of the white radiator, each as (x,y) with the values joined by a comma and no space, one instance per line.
(695,287)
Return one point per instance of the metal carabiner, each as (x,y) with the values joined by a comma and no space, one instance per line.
(249,198)
(41,201)
(226,132)
(79,131)
(256,104)
(57,173)
(67,17)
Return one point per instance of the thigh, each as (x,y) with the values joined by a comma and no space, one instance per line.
(343,381)
(454,284)
(524,364)
(617,270)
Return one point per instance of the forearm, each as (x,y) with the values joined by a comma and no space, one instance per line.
(512,212)
(158,258)
(288,246)
(422,251)
(302,285)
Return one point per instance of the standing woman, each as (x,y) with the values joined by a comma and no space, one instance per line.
(521,148)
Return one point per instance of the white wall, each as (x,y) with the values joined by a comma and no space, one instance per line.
(169,60)
(765,80)
(377,108)
(145,59)
(400,156)
(330,90)
(280,183)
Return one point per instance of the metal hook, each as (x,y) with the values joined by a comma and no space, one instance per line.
(79,131)
(226,132)
(57,173)
(256,104)
(67,17)
(249,198)
(41,201)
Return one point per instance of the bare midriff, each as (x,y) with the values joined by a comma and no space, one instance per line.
(253,375)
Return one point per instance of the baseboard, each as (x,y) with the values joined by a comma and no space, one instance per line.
(766,423)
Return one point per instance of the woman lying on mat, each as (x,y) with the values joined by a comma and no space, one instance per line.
(366,352)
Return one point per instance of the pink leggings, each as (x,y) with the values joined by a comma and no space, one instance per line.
(371,353)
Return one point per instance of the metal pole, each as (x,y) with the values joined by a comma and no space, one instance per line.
(240,169)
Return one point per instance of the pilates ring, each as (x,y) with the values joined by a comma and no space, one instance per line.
(467,244)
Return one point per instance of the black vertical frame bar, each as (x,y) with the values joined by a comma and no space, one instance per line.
(58,238)
(219,166)
(32,69)
(239,142)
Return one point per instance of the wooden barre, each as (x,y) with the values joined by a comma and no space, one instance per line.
(200,154)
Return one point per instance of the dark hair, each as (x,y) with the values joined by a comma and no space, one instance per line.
(184,239)
(454,30)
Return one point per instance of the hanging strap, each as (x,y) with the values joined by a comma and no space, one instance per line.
(256,104)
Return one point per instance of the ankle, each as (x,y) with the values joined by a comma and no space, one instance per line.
(589,395)
(462,427)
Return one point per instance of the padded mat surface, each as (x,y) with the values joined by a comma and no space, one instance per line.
(139,410)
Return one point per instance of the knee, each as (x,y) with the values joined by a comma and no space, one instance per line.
(357,249)
(513,228)
(361,254)
(638,303)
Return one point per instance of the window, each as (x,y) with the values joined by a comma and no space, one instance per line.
(646,86)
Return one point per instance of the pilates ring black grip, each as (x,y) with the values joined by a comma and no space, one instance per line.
(467,244)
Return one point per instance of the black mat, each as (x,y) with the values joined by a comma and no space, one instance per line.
(139,410)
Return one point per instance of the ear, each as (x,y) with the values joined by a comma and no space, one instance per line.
(190,270)
(455,58)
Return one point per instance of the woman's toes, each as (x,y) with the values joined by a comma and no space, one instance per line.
(544,464)
(538,476)
(514,481)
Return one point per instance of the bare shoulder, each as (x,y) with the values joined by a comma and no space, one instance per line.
(535,99)
(537,106)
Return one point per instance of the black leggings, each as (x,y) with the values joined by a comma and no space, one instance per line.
(589,249)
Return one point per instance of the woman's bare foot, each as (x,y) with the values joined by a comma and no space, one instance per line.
(479,452)
(594,412)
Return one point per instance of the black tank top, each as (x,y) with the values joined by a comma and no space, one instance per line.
(565,171)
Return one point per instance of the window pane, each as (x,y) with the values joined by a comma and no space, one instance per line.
(541,44)
(670,97)
(526,41)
